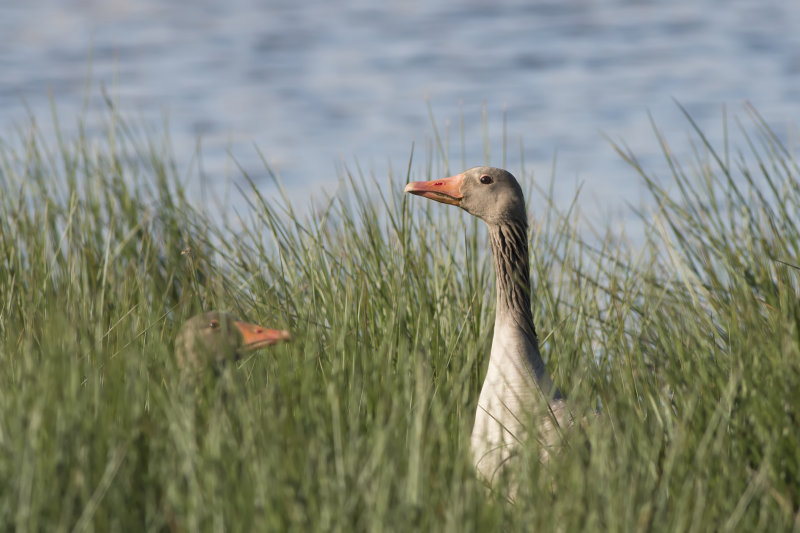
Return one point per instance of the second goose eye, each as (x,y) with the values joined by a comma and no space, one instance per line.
(214,324)
(486,180)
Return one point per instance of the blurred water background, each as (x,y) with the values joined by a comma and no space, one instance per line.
(317,84)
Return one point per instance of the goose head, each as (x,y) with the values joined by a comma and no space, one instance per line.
(491,194)
(212,338)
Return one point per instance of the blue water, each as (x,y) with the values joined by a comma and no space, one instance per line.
(315,85)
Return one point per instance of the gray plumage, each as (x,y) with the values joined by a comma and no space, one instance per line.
(518,395)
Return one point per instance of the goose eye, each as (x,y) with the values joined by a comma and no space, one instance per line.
(486,180)
(214,324)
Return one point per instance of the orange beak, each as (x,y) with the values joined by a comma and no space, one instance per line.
(445,190)
(255,336)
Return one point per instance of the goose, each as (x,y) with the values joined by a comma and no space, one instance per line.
(211,339)
(517,388)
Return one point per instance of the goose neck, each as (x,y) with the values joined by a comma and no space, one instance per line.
(510,249)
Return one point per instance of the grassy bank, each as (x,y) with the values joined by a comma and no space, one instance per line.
(689,343)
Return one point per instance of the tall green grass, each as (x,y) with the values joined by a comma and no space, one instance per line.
(688,343)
